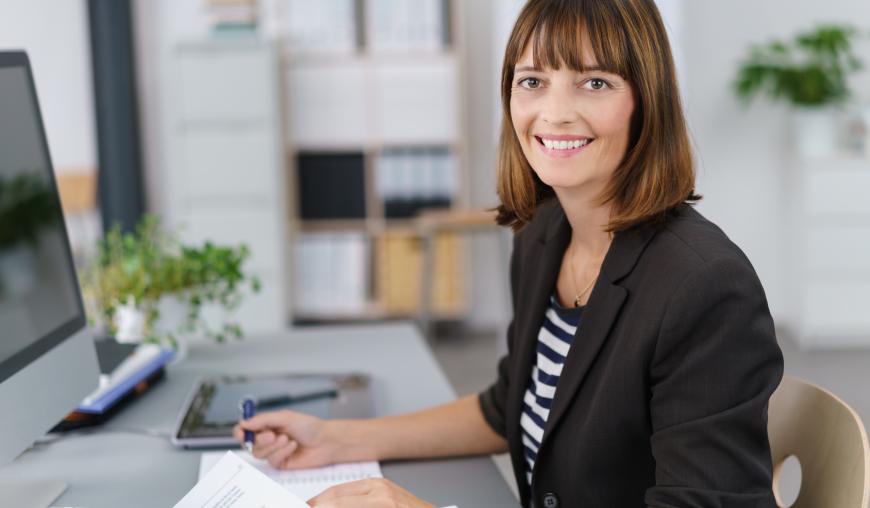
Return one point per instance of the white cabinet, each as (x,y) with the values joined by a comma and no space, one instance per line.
(828,256)
(225,176)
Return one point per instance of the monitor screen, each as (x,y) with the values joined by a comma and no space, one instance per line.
(40,304)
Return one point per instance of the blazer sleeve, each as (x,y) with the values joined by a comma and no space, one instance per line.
(492,400)
(715,366)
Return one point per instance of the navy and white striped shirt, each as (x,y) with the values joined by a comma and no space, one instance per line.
(554,341)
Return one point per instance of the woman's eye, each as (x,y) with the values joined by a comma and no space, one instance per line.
(531,82)
(598,83)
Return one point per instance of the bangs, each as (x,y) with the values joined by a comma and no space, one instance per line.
(556,36)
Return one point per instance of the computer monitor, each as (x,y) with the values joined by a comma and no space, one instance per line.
(48,362)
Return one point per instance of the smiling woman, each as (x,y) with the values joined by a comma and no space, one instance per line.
(641,354)
(615,59)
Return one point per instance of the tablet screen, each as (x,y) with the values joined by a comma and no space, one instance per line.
(213,409)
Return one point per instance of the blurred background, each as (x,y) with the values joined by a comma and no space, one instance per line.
(349,146)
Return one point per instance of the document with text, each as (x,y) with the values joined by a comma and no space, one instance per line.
(234,483)
(304,483)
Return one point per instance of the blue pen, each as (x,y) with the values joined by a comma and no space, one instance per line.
(247,407)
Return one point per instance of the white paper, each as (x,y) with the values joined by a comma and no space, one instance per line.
(234,483)
(304,483)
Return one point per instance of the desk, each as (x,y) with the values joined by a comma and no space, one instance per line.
(111,469)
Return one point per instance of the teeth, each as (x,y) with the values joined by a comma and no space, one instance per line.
(564,145)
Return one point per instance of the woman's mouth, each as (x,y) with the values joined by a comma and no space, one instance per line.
(561,148)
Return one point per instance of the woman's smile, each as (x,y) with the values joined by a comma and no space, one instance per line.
(561,146)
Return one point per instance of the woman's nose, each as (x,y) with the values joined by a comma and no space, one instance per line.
(558,109)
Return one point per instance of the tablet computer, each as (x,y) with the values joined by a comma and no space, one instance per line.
(212,408)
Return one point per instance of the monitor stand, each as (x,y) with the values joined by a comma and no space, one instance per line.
(31,494)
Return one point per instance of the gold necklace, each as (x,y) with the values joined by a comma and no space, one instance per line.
(574,280)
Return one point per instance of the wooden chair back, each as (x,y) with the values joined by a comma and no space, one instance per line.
(828,439)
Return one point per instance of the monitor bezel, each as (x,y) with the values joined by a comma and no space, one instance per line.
(18,361)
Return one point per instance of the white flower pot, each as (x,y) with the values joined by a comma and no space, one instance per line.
(129,323)
(815,131)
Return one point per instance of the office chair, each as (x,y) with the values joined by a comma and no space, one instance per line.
(827,438)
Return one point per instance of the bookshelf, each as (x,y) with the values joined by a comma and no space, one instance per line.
(316,132)
(373,137)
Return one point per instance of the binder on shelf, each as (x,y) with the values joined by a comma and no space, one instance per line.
(331,185)
(398,268)
(331,273)
(407,25)
(321,26)
(412,179)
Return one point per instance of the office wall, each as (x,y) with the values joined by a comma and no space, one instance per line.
(55,35)
(742,154)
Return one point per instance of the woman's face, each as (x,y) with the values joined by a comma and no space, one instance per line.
(573,127)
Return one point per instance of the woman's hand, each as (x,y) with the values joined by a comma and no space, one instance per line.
(372,493)
(290,440)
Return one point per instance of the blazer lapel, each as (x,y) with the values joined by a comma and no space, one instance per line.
(598,318)
(541,272)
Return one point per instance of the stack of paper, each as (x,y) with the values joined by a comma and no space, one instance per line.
(303,483)
(235,480)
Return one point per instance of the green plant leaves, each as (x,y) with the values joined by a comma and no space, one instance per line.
(150,263)
(810,71)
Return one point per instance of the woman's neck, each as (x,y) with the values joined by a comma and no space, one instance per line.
(588,221)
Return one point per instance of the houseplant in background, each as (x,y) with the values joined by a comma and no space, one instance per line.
(809,73)
(147,286)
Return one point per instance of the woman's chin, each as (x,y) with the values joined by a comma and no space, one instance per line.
(562,181)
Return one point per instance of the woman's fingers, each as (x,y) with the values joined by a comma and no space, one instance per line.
(276,458)
(332,494)
(270,420)
(264,449)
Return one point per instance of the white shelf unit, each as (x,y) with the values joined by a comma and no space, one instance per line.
(828,254)
(367,95)
(225,174)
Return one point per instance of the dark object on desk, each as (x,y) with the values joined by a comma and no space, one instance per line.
(110,354)
(127,371)
(266,403)
(211,409)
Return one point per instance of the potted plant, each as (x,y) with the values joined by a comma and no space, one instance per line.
(810,73)
(139,277)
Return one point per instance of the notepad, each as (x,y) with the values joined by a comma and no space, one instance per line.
(304,483)
(232,482)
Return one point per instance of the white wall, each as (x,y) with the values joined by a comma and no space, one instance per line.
(742,154)
(55,35)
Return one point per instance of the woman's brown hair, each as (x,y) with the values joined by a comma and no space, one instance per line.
(628,39)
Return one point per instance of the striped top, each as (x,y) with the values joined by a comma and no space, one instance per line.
(554,341)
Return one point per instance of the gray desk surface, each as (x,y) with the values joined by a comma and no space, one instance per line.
(114,468)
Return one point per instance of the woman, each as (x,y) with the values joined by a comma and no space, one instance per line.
(642,352)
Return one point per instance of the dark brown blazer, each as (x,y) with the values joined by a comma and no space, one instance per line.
(663,397)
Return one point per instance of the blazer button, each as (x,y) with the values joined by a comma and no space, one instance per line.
(551,500)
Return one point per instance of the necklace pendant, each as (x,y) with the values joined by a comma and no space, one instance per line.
(577,301)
